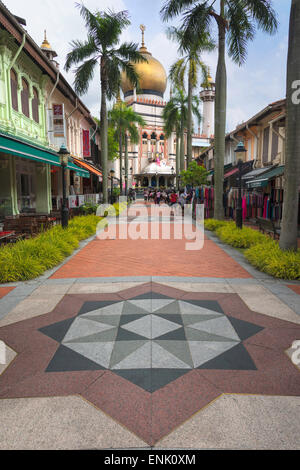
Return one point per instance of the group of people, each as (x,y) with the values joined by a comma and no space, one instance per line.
(169,196)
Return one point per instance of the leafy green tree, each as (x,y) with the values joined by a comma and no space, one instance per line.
(124,120)
(195,175)
(113,146)
(289,233)
(189,67)
(102,49)
(236,20)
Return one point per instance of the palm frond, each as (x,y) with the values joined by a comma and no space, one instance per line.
(263,13)
(129,51)
(177,73)
(91,20)
(81,50)
(173,8)
(84,75)
(241,30)
(196,22)
(109,26)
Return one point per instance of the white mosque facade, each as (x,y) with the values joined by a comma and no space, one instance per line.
(152,162)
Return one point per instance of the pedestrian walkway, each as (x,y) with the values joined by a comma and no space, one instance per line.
(140,344)
(150,257)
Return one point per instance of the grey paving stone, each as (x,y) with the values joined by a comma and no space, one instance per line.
(293,301)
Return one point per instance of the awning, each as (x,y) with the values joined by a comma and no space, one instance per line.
(231,173)
(79,171)
(263,181)
(226,168)
(20,148)
(88,167)
(256,173)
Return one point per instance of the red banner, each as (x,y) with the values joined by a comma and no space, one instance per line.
(86,148)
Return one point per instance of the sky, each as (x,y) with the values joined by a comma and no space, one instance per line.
(262,80)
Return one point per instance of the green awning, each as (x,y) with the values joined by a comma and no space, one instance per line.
(21,149)
(79,171)
(263,181)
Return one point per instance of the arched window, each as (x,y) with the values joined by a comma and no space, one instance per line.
(35,106)
(14,90)
(25,98)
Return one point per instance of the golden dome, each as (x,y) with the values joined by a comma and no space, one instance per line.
(152,75)
(46,44)
(46,47)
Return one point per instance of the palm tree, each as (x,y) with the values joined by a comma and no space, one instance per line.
(175,116)
(102,48)
(235,19)
(125,121)
(288,238)
(172,119)
(189,65)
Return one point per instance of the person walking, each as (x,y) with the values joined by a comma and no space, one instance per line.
(158,197)
(173,199)
(182,200)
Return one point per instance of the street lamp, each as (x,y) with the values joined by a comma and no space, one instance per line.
(240,152)
(112,174)
(64,159)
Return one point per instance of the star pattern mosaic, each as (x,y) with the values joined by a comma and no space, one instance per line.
(151,356)
(151,340)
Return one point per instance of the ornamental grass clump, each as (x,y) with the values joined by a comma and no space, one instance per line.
(212,224)
(239,238)
(29,259)
(15,266)
(269,258)
(83,227)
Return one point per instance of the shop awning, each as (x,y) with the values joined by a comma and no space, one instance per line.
(20,148)
(231,173)
(88,167)
(257,173)
(263,181)
(79,171)
(226,168)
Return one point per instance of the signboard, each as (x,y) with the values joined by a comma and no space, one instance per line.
(58,121)
(201,143)
(81,201)
(72,202)
(86,146)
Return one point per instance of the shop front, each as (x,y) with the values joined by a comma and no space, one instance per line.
(25,177)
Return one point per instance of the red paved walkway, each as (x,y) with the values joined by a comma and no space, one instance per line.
(295,289)
(5,290)
(118,258)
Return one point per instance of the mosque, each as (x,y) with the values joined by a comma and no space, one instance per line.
(152,162)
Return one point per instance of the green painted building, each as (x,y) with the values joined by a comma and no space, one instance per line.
(25,158)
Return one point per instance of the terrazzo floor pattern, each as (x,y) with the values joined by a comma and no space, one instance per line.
(166,362)
(146,361)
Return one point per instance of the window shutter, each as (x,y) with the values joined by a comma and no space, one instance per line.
(266,145)
(275,142)
(14,90)
(35,106)
(25,98)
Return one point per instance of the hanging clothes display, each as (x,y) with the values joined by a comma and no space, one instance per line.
(205,195)
(256,204)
